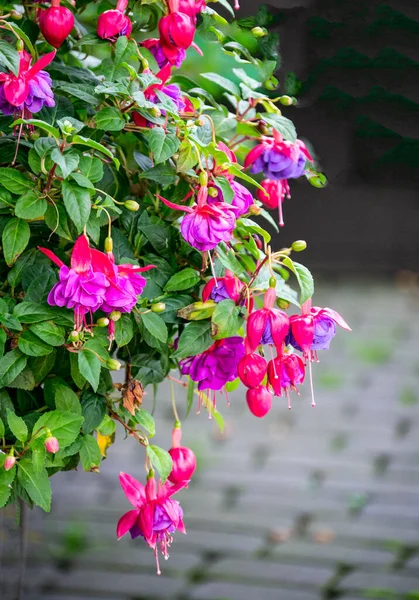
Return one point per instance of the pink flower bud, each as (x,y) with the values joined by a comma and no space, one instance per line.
(259,401)
(184,464)
(176,29)
(9,462)
(56,24)
(51,444)
(252,369)
(113,23)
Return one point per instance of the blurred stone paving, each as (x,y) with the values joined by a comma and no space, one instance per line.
(313,503)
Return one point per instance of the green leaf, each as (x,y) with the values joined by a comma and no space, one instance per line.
(30,206)
(229,261)
(252,227)
(57,220)
(163,145)
(76,376)
(195,338)
(89,366)
(17,426)
(283,125)
(31,312)
(90,453)
(11,322)
(14,181)
(77,203)
(1,428)
(150,368)
(36,484)
(183,280)
(67,161)
(108,426)
(161,460)
(65,426)
(93,408)
(124,331)
(15,238)
(40,287)
(226,320)
(110,119)
(92,168)
(3,338)
(236,170)
(224,184)
(187,157)
(49,332)
(32,345)
(155,326)
(82,92)
(304,278)
(11,365)
(40,124)
(9,57)
(78,139)
(38,458)
(6,480)
(24,381)
(42,365)
(223,82)
(62,396)
(162,174)
(146,420)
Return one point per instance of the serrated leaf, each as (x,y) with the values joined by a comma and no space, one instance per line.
(283,125)
(124,331)
(11,365)
(110,119)
(63,425)
(49,332)
(9,57)
(63,396)
(40,124)
(38,458)
(31,312)
(229,261)
(161,460)
(14,181)
(32,345)
(90,454)
(40,287)
(146,420)
(30,206)
(223,82)
(36,484)
(190,396)
(24,381)
(67,161)
(15,238)
(89,366)
(226,320)
(304,278)
(93,408)
(77,203)
(195,338)
(187,157)
(162,174)
(183,280)
(163,145)
(17,426)
(78,139)
(6,480)
(155,326)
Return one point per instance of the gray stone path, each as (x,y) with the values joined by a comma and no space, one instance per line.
(310,504)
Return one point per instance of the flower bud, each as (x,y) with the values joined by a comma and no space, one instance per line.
(212,192)
(9,462)
(155,111)
(102,322)
(74,336)
(113,23)
(318,181)
(283,304)
(159,307)
(176,29)
(184,460)
(272,282)
(259,32)
(113,365)
(15,14)
(108,244)
(286,100)
(56,23)
(252,369)
(263,128)
(203,179)
(299,245)
(20,46)
(271,83)
(51,444)
(259,401)
(254,209)
(131,205)
(115,315)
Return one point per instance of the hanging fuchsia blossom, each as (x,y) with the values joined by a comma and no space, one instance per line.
(172,91)
(276,192)
(216,366)
(56,23)
(176,30)
(192,8)
(113,23)
(29,91)
(284,373)
(80,287)
(242,199)
(228,287)
(267,325)
(252,369)
(205,225)
(259,401)
(277,158)
(157,50)
(155,517)
(184,460)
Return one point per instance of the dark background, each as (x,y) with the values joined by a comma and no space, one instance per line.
(360,110)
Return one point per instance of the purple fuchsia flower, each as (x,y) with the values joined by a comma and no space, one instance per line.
(113,23)
(267,325)
(156,49)
(80,287)
(205,225)
(172,91)
(30,90)
(242,198)
(285,372)
(278,159)
(228,287)
(155,516)
(276,192)
(216,366)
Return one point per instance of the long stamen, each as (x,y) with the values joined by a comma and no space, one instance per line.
(280,215)
(273,362)
(287,393)
(313,403)
(156,554)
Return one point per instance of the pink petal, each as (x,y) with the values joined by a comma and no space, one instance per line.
(167,490)
(43,62)
(329,312)
(172,509)
(280,324)
(255,327)
(254,155)
(133,490)
(51,256)
(181,526)
(146,521)
(126,522)
(81,258)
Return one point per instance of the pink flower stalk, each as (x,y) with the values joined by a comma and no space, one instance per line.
(285,372)
(30,90)
(277,158)
(56,23)
(9,463)
(259,401)
(267,325)
(252,369)
(51,444)
(113,23)
(184,460)
(80,287)
(276,192)
(155,516)
(205,225)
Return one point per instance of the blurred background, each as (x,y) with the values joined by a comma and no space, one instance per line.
(313,503)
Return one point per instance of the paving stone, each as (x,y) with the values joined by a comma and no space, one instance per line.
(363,580)
(235,591)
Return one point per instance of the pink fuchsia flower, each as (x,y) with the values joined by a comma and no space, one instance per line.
(205,225)
(267,325)
(51,444)
(111,24)
(9,463)
(252,369)
(80,287)
(184,460)
(156,49)
(176,30)
(56,23)
(228,287)
(242,199)
(276,192)
(191,8)
(30,90)
(277,158)
(155,516)
(259,401)
(216,366)
(285,372)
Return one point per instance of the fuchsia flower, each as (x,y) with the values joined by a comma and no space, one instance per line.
(184,460)
(191,8)
(242,199)
(29,91)
(285,372)
(259,401)
(267,325)
(156,49)
(171,90)
(113,23)
(205,225)
(277,158)
(56,23)
(216,366)
(252,370)
(228,287)
(277,190)
(155,516)
(176,30)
